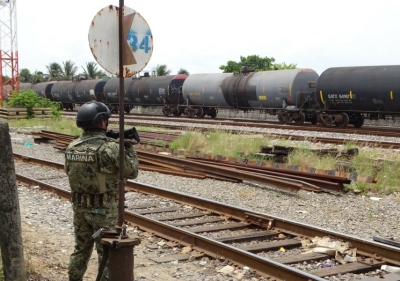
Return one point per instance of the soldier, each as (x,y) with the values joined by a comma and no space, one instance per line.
(92,164)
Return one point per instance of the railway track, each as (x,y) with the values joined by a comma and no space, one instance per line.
(269,245)
(386,137)
(287,179)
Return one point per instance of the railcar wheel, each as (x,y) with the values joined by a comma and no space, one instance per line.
(358,122)
(281,119)
(213,113)
(299,119)
(199,112)
(314,120)
(190,113)
(177,113)
(343,123)
(165,111)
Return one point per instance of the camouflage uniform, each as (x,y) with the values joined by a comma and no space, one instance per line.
(92,164)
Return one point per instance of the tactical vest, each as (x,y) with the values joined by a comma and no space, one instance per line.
(83,167)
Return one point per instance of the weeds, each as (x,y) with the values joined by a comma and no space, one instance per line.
(244,145)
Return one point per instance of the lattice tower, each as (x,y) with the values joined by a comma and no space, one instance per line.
(9,72)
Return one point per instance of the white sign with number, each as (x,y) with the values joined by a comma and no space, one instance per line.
(137,47)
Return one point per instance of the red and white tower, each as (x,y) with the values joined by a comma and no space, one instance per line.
(9,73)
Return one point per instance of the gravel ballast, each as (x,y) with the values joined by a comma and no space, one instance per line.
(359,215)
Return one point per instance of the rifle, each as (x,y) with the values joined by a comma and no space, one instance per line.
(131,134)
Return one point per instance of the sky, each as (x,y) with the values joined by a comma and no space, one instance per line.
(200,36)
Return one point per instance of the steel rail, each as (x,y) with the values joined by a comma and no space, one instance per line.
(200,243)
(365,247)
(190,124)
(279,182)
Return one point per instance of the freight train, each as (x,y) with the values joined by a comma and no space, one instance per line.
(339,96)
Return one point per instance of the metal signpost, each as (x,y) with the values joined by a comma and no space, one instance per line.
(122,43)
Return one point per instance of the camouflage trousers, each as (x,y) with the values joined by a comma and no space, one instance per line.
(86,222)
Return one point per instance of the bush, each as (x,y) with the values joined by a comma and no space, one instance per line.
(29,99)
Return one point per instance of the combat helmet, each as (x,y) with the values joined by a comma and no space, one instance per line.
(91,113)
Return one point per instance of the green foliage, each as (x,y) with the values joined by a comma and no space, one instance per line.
(183,142)
(63,126)
(280,66)
(29,99)
(25,76)
(183,71)
(92,72)
(255,63)
(68,70)
(54,71)
(161,70)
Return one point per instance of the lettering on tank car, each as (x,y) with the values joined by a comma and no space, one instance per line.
(340,96)
(161,91)
(284,90)
(79,158)
(138,100)
(194,94)
(375,101)
(212,97)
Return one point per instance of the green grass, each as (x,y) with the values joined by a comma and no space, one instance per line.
(245,145)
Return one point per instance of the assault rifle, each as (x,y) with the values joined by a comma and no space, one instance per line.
(131,134)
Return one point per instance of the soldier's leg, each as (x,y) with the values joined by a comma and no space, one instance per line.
(109,220)
(83,246)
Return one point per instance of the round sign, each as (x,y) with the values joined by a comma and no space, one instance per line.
(137,47)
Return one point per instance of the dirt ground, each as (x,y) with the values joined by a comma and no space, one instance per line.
(47,258)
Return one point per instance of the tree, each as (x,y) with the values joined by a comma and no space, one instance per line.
(183,71)
(69,70)
(254,63)
(37,77)
(54,72)
(161,70)
(29,99)
(92,72)
(25,76)
(279,66)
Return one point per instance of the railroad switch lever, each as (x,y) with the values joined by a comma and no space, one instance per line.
(118,252)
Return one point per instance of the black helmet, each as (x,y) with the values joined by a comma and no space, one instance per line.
(91,113)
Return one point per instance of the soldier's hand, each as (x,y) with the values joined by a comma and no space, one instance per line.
(129,143)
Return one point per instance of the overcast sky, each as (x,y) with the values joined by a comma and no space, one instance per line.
(200,36)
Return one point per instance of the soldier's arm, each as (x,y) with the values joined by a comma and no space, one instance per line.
(109,160)
(131,162)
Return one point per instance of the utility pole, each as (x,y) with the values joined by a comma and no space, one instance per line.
(9,72)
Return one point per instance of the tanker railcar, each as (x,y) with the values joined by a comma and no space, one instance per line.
(162,91)
(64,93)
(43,89)
(348,95)
(111,95)
(87,90)
(286,93)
